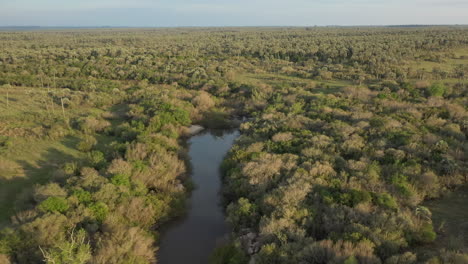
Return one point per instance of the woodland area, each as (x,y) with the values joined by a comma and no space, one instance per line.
(355,149)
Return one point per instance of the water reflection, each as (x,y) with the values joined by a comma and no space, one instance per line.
(193,238)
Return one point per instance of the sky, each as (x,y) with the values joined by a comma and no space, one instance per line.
(176,13)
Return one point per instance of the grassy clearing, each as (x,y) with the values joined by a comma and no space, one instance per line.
(24,102)
(461,52)
(323,86)
(31,158)
(36,101)
(461,57)
(31,162)
(429,65)
(450,215)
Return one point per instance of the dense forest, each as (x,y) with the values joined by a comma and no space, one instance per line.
(353,147)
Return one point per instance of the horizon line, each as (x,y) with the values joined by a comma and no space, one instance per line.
(224,26)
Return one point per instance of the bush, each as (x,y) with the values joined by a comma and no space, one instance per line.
(100,211)
(54,204)
(228,254)
(425,234)
(170,115)
(87,143)
(119,166)
(96,159)
(406,258)
(385,200)
(241,213)
(122,244)
(437,89)
(92,124)
(83,196)
(70,168)
(75,250)
(9,240)
(57,131)
(203,101)
(282,137)
(121,180)
(358,197)
(43,192)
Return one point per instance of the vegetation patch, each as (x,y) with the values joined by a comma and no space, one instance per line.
(346,134)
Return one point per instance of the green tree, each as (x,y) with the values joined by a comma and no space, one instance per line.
(54,204)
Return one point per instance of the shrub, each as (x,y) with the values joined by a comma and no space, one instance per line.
(203,101)
(270,254)
(83,196)
(92,124)
(122,244)
(436,89)
(89,179)
(96,159)
(70,168)
(121,180)
(46,231)
(42,192)
(228,254)
(54,204)
(358,197)
(119,166)
(100,211)
(57,131)
(174,115)
(75,250)
(9,240)
(385,200)
(282,137)
(429,182)
(425,234)
(406,258)
(139,212)
(87,143)
(241,213)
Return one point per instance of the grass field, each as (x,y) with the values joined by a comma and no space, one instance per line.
(461,57)
(450,217)
(324,86)
(28,163)
(30,159)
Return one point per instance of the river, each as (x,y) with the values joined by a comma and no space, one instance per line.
(192,239)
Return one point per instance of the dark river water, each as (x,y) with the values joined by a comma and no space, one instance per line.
(192,239)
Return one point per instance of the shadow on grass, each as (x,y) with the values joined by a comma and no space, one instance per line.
(449,216)
(16,193)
